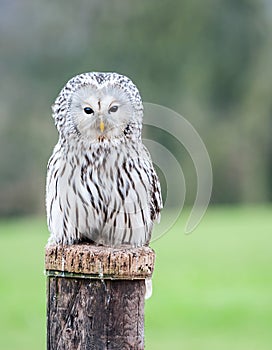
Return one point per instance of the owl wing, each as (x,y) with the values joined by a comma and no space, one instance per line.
(156,203)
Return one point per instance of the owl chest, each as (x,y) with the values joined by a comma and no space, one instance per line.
(107,178)
(91,190)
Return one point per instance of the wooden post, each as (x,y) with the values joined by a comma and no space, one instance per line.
(95,296)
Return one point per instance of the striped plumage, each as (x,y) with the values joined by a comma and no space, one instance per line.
(101,184)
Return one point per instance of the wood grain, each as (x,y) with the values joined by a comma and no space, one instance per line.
(121,263)
(102,311)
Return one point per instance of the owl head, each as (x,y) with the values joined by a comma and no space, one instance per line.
(97,106)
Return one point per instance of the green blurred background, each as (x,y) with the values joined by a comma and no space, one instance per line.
(209,61)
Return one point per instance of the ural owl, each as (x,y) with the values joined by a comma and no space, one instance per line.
(101,184)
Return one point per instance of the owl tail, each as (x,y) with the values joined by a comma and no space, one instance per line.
(148,288)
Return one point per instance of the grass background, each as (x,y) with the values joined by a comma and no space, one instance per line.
(211,289)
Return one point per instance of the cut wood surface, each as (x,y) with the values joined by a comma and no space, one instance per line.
(113,263)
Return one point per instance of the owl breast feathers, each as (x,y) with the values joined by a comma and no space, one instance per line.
(101,184)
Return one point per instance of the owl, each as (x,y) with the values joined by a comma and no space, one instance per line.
(101,185)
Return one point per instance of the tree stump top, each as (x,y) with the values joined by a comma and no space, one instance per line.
(89,261)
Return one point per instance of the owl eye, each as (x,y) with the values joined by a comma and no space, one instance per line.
(88,110)
(113,109)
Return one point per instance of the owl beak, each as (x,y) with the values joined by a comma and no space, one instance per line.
(102,126)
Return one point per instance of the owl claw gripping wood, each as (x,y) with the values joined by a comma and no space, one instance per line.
(101,184)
